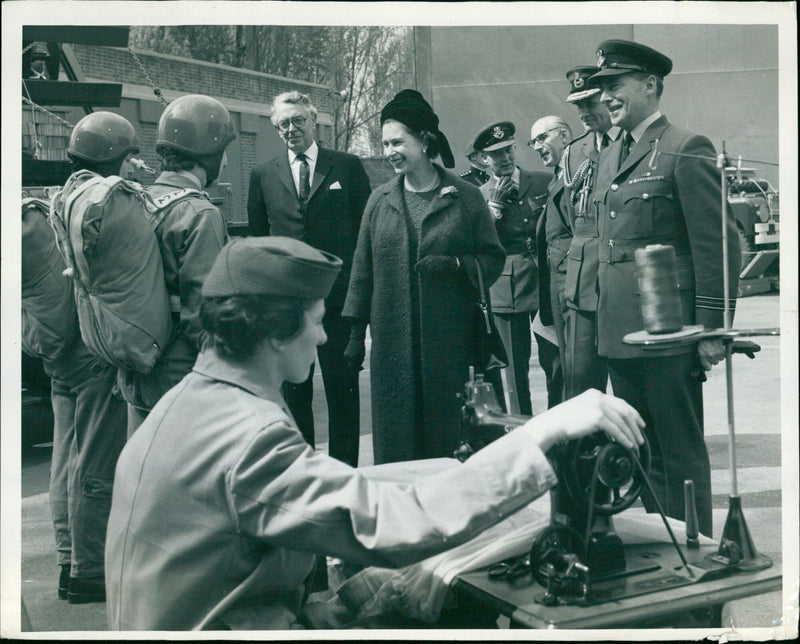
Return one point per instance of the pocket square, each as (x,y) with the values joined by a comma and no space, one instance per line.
(335,186)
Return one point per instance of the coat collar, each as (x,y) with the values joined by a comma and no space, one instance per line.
(242,375)
(179,180)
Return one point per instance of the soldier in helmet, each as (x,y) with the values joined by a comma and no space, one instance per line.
(191,138)
(88,419)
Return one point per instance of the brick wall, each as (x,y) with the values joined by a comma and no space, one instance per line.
(192,77)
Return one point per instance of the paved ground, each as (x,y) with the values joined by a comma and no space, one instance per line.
(758,457)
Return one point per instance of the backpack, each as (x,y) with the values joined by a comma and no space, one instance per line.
(49,318)
(105,228)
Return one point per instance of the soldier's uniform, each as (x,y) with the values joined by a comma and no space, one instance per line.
(677,203)
(583,367)
(474,175)
(515,295)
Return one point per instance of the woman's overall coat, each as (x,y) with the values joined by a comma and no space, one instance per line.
(423,328)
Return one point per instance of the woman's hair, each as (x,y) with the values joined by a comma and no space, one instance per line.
(234,326)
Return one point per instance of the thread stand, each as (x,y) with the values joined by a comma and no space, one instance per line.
(736,547)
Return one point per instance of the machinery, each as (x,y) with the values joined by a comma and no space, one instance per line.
(579,559)
(755,205)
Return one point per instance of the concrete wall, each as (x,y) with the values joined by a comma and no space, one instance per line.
(724,82)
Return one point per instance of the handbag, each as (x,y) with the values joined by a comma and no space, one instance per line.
(491,351)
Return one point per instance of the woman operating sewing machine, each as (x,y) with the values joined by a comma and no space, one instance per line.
(219,505)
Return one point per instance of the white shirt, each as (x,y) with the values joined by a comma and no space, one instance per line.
(312,152)
(639,130)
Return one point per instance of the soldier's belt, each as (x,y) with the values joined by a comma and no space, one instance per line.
(614,252)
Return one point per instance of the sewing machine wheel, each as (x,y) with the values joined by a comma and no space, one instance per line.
(552,544)
(616,471)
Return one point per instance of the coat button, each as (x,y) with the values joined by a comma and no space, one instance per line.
(645,196)
(614,187)
(612,214)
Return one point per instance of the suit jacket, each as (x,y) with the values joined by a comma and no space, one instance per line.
(329,220)
(679,204)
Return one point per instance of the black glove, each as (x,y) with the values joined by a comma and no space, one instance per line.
(438,265)
(355,351)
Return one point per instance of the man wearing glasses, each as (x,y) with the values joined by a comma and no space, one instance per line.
(316,195)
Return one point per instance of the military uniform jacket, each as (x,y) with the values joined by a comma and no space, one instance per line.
(517,288)
(678,204)
(219,506)
(580,289)
(475,176)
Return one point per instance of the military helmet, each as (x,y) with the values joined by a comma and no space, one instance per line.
(101,137)
(196,125)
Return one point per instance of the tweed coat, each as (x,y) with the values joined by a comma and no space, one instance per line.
(679,204)
(423,329)
(219,507)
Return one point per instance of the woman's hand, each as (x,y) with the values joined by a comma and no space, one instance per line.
(589,412)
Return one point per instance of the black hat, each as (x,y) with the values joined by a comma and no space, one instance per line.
(271,266)
(410,108)
(580,85)
(495,136)
(616,57)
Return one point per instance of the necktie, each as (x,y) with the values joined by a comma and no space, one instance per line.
(304,187)
(604,141)
(627,142)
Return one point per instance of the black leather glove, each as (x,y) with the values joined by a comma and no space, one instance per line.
(355,350)
(438,265)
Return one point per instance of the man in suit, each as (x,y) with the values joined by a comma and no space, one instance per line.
(669,194)
(316,195)
(516,198)
(549,138)
(476,174)
(584,368)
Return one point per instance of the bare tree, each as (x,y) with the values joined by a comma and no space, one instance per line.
(362,66)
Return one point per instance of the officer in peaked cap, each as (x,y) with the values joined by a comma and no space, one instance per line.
(476,174)
(516,198)
(583,367)
(658,184)
(580,86)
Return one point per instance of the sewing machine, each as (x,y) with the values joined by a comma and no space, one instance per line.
(580,561)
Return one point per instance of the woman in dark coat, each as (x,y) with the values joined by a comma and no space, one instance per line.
(414,281)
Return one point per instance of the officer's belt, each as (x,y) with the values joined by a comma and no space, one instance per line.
(624,251)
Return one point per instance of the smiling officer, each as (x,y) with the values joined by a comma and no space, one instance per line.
(670,198)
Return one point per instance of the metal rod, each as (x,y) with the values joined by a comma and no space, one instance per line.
(701,156)
(727,321)
(731,433)
(661,512)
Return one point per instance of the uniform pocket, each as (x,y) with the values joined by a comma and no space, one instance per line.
(643,202)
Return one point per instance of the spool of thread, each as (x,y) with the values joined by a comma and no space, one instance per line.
(659,297)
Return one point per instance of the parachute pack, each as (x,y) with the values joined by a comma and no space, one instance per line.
(49,319)
(105,230)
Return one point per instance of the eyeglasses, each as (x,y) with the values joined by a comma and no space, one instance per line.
(542,137)
(297,121)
